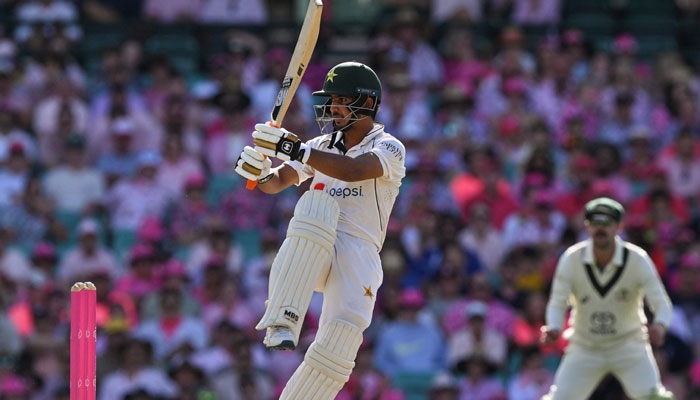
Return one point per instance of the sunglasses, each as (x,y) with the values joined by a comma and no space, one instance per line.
(603,223)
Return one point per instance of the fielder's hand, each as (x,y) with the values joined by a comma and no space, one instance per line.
(549,336)
(280,143)
(252,165)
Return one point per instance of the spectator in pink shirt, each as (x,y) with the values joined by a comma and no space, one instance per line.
(462,67)
(62,114)
(683,166)
(533,380)
(216,243)
(141,279)
(187,221)
(227,135)
(171,275)
(499,315)
(478,383)
(119,162)
(476,339)
(148,134)
(131,201)
(424,64)
(177,120)
(74,186)
(88,257)
(136,371)
(177,166)
(222,300)
(173,335)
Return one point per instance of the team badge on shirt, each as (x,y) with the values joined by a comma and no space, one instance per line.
(368,292)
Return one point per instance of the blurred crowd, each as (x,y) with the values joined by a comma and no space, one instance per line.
(123,177)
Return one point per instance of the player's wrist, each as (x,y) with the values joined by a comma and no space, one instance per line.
(265,179)
(304,153)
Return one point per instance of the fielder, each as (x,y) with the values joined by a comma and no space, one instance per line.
(333,240)
(605,279)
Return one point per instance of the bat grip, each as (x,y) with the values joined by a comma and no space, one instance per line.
(250,185)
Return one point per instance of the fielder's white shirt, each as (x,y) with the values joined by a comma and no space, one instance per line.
(607,303)
(365,205)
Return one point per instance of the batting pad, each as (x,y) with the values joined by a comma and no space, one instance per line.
(303,255)
(327,364)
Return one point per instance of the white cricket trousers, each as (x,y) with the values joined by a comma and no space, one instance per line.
(581,370)
(350,285)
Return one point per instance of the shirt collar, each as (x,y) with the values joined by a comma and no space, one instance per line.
(378,128)
(617,257)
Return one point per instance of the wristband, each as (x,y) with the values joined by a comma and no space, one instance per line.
(265,179)
(305,152)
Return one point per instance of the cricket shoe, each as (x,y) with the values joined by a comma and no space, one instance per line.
(279,338)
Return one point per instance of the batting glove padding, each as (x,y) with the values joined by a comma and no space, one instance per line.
(252,165)
(280,143)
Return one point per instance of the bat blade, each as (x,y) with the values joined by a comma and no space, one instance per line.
(297,65)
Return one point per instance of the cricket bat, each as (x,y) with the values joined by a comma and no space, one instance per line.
(297,66)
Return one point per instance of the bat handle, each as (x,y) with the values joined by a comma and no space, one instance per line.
(250,185)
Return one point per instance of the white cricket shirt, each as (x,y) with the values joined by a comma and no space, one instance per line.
(365,205)
(607,303)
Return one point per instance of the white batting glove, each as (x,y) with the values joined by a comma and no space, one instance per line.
(280,143)
(252,165)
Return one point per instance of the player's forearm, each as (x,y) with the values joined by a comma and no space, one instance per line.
(277,183)
(660,304)
(347,169)
(555,315)
(558,301)
(656,295)
(273,186)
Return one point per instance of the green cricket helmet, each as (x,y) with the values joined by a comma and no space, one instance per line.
(351,79)
(354,80)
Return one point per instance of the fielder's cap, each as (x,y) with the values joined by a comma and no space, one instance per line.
(604,207)
(476,309)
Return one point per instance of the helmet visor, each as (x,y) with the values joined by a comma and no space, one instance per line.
(329,123)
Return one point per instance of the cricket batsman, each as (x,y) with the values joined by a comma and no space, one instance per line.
(333,240)
(605,280)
